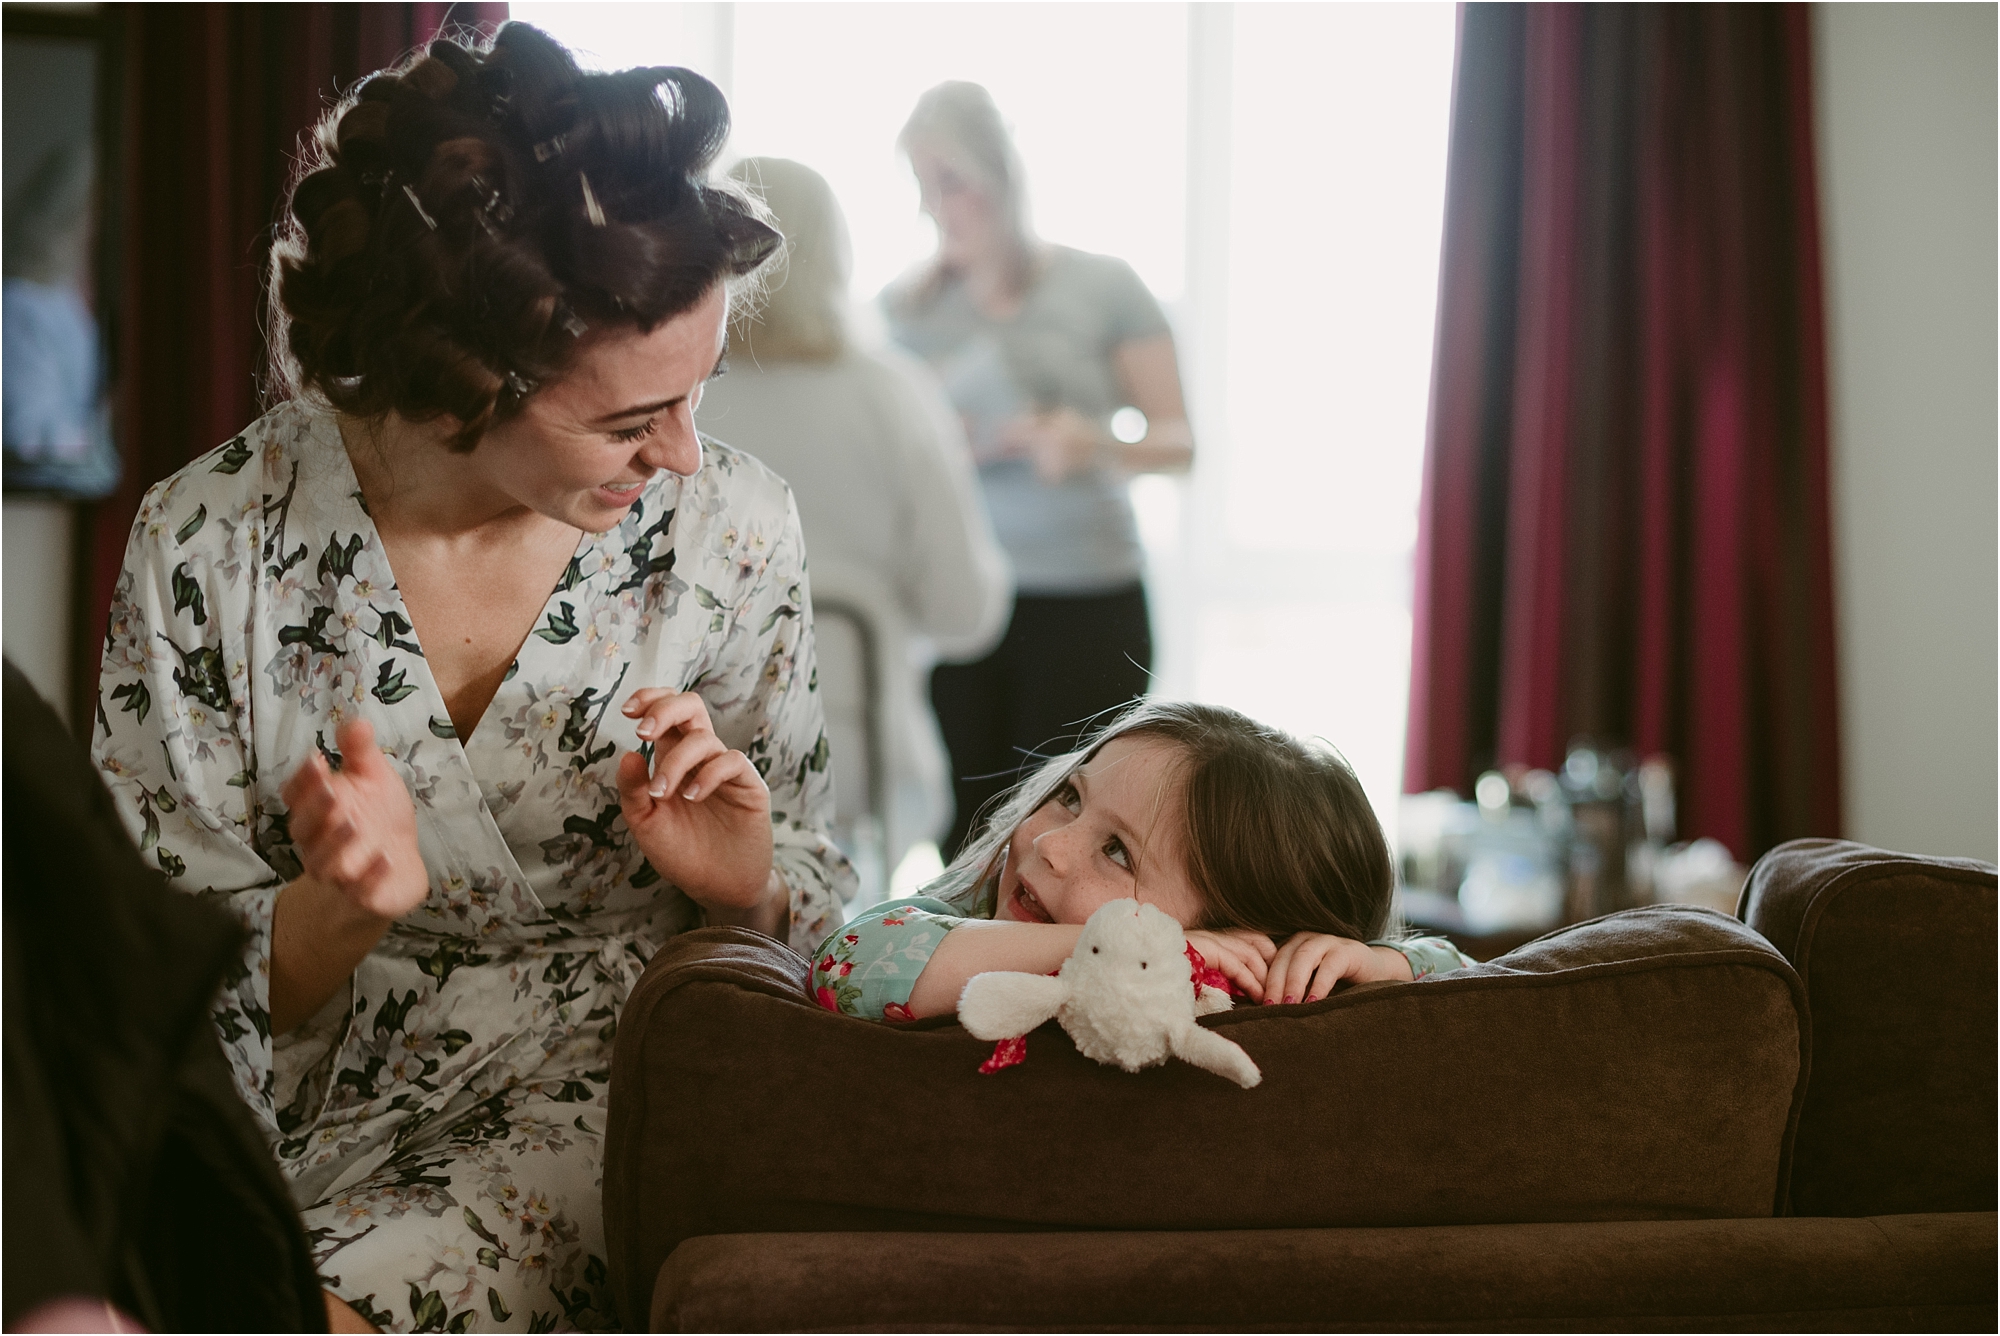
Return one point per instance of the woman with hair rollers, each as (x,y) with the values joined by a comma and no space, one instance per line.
(469,674)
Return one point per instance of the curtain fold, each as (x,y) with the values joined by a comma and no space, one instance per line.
(1623,536)
(216,97)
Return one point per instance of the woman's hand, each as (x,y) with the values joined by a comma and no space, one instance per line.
(1309,964)
(1060,443)
(1242,955)
(355,829)
(702,816)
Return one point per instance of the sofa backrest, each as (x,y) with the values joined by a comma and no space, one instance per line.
(1647,1065)
(1897,954)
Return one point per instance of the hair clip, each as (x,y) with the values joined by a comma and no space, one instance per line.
(418,205)
(591,207)
(521,387)
(498,81)
(550,147)
(492,208)
(572,323)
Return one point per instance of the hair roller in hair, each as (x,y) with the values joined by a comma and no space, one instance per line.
(431,77)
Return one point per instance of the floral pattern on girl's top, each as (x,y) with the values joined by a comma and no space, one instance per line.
(441,1119)
(1430,955)
(870,965)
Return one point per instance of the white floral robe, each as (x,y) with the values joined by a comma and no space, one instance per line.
(441,1120)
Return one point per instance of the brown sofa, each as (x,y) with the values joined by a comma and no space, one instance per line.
(1655,1120)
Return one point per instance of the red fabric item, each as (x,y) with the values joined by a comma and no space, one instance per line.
(1624,528)
(216,98)
(1007,1053)
(1205,977)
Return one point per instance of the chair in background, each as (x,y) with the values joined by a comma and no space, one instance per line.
(848,644)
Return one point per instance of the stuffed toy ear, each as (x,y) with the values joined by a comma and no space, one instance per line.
(1211,1052)
(1003,1004)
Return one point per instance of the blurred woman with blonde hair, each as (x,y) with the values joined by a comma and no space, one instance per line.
(1039,347)
(892,518)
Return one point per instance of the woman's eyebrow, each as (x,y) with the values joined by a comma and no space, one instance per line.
(637,410)
(641,410)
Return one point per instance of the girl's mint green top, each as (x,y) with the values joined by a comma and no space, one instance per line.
(869,966)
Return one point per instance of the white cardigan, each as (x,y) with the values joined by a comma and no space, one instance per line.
(894,524)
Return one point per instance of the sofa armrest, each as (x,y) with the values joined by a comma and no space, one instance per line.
(1897,954)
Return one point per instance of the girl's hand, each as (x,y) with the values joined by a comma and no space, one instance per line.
(702,816)
(1242,955)
(1309,964)
(355,828)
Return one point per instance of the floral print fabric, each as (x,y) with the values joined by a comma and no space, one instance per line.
(441,1119)
(868,967)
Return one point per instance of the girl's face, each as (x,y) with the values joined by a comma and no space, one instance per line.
(968,223)
(1112,831)
(581,449)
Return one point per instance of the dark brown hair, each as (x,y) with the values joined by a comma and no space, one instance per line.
(467,218)
(1277,833)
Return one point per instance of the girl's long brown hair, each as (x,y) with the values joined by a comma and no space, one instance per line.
(1278,835)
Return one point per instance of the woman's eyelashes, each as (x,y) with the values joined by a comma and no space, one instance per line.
(1114,849)
(633,435)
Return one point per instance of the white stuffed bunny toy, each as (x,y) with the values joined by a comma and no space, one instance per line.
(1127,996)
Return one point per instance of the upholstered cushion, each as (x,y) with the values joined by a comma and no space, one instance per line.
(1893,1273)
(1642,1066)
(1897,954)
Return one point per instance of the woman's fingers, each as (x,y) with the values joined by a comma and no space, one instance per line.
(712,775)
(672,765)
(634,794)
(346,860)
(661,712)
(638,701)
(312,781)
(355,740)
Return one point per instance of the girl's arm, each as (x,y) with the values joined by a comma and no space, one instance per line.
(982,945)
(905,959)
(912,958)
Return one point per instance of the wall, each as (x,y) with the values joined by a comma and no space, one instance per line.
(34,604)
(1907,157)
(47,93)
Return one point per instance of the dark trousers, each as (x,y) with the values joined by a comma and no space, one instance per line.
(1063,661)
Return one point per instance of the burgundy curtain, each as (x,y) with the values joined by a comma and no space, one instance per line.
(215,99)
(1624,526)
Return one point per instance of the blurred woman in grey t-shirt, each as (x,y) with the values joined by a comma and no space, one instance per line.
(1038,346)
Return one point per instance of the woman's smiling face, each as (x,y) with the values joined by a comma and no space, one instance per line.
(1112,831)
(582,449)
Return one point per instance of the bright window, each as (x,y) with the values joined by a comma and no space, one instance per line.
(1276,174)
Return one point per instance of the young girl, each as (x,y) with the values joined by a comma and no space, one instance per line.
(1262,846)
